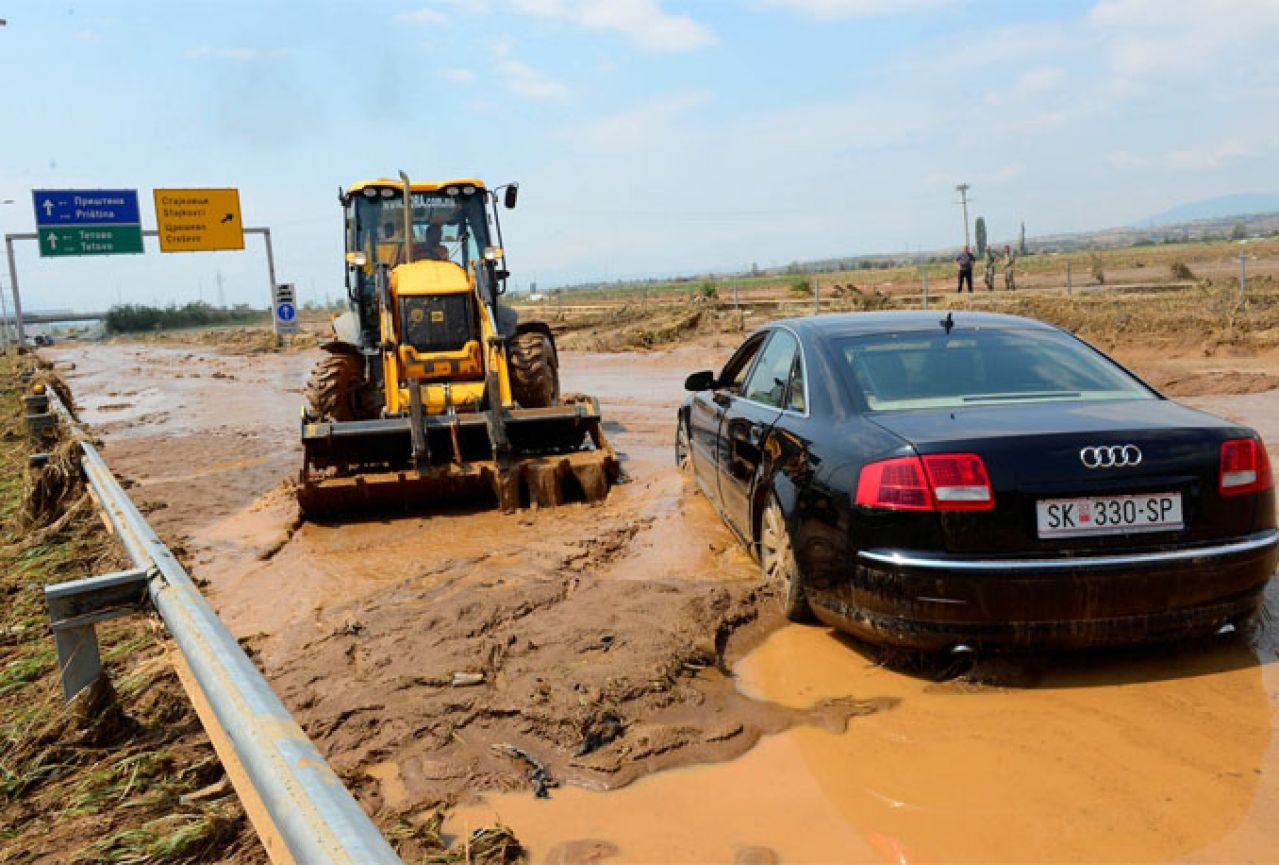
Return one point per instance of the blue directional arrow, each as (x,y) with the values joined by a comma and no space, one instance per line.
(285,312)
(86,207)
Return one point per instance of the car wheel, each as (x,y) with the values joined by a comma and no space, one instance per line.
(777,562)
(683,449)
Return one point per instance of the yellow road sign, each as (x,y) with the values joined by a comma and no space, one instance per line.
(198,220)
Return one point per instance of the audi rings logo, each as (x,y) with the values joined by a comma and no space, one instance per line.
(1110,456)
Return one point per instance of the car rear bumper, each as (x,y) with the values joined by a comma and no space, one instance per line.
(926,600)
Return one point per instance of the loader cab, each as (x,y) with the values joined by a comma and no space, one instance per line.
(449,222)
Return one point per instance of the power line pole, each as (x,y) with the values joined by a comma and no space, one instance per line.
(962,189)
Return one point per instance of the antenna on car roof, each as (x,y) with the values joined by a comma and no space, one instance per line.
(948,322)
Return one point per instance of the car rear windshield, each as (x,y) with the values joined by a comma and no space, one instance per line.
(980,367)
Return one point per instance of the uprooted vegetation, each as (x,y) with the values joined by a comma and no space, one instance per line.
(1201,319)
(126,772)
(109,778)
(458,682)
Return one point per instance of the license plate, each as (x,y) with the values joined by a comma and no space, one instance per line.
(1108,515)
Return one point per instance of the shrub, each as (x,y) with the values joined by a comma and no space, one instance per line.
(132,318)
(1098,271)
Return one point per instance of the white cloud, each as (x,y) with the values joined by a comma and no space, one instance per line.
(1032,83)
(457,76)
(524,80)
(1211,157)
(241,54)
(851,8)
(639,127)
(1151,37)
(999,47)
(643,22)
(426,16)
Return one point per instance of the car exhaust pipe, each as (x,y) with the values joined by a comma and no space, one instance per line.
(961,649)
(1227,628)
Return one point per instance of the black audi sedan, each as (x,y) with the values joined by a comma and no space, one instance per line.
(931,481)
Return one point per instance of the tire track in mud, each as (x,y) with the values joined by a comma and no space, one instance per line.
(593,638)
(602,680)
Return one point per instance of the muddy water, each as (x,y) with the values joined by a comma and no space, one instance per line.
(1153,755)
(207,438)
(1161,755)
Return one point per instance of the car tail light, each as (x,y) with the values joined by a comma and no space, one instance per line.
(959,482)
(1245,467)
(896,484)
(938,482)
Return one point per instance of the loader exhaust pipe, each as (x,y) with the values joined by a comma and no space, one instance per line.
(408,217)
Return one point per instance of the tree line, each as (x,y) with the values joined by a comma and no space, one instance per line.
(131,317)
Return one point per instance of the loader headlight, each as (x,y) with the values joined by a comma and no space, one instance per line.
(492,253)
(357,259)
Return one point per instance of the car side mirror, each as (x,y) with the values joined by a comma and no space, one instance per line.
(699,381)
(512,193)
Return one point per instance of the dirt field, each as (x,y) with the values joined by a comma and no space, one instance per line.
(629,648)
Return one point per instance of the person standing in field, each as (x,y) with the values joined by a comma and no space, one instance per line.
(990,268)
(965,261)
(1010,268)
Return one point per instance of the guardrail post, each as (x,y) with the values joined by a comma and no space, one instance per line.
(41,423)
(74,610)
(1069,281)
(924,271)
(299,807)
(1243,276)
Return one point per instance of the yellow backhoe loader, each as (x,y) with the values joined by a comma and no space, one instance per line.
(431,390)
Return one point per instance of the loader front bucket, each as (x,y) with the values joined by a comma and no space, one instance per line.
(520,458)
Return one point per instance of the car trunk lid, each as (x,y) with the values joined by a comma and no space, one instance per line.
(1081,450)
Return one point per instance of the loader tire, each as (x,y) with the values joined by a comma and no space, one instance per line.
(535,373)
(336,390)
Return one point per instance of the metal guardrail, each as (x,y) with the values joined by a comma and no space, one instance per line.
(297,804)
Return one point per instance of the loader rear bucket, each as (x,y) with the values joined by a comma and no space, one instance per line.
(527,457)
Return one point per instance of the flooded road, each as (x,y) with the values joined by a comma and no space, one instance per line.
(1148,755)
(598,632)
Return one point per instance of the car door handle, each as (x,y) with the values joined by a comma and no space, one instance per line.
(753,434)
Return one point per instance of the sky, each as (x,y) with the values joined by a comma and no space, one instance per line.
(649,137)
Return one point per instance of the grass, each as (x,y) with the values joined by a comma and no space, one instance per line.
(106,786)
(1154,260)
(109,785)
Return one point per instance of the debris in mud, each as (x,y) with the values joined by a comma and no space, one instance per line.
(425,842)
(538,773)
(51,490)
(467,680)
(599,729)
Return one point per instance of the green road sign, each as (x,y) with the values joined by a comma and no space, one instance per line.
(91,240)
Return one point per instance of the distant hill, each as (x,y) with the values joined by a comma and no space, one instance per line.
(1215,208)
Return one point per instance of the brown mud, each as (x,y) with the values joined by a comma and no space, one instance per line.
(600,643)
(1161,754)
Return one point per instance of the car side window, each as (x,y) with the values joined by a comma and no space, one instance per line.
(767,384)
(735,371)
(795,396)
